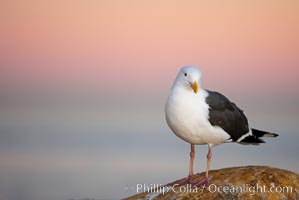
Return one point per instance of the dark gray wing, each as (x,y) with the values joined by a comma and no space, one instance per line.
(226,115)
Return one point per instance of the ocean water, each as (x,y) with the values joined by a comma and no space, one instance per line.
(101,149)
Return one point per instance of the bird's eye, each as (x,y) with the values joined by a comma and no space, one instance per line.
(185,74)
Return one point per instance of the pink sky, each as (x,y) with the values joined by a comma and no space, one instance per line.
(113,45)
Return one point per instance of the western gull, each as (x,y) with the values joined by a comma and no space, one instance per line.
(200,116)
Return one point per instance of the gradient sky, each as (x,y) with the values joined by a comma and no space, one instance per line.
(111,45)
(83,86)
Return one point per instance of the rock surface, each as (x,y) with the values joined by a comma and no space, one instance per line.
(250,182)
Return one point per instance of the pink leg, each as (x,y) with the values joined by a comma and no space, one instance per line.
(205,180)
(188,180)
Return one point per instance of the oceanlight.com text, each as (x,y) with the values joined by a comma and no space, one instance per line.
(213,188)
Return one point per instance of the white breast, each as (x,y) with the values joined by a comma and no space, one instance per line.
(187,116)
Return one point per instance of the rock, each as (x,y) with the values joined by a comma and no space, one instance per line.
(250,182)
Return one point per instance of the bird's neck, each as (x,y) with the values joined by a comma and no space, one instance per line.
(182,89)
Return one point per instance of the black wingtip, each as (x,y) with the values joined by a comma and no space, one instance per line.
(259,133)
(251,139)
(270,135)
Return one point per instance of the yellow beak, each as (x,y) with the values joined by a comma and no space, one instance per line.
(194,86)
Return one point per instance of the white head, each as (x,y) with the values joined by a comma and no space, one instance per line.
(188,77)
